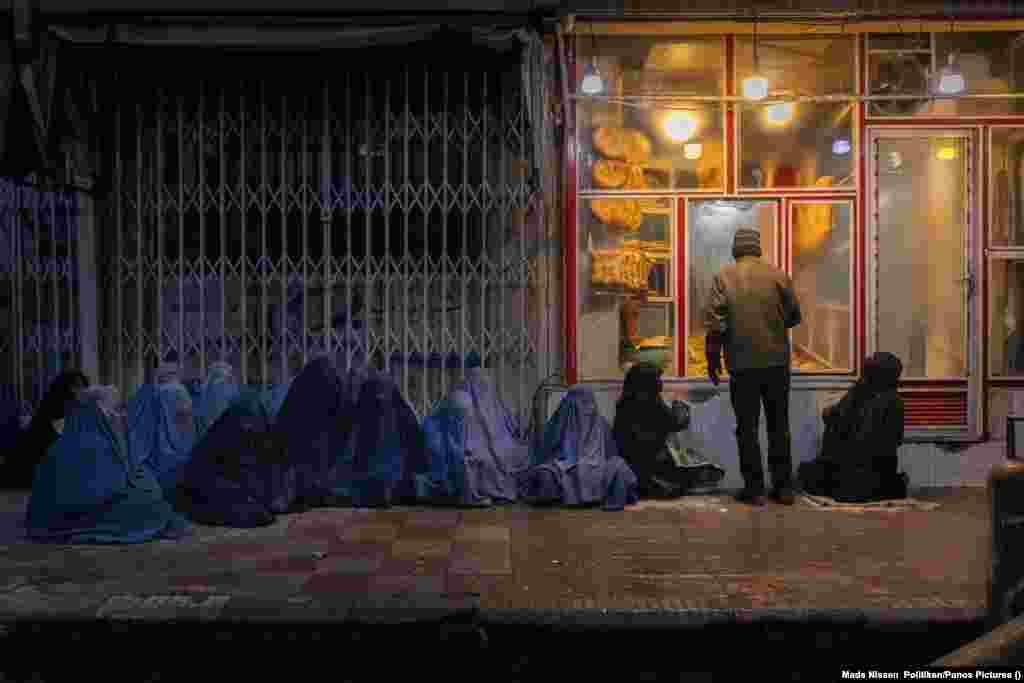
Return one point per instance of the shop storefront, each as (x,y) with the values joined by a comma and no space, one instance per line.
(882,163)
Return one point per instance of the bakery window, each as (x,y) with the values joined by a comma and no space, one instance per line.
(640,132)
(912,63)
(1007,183)
(797,145)
(804,65)
(821,259)
(711,226)
(626,300)
(1006,317)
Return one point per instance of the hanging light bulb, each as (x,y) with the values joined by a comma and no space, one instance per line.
(679,125)
(951,80)
(755,87)
(592,83)
(693,151)
(781,113)
(841,147)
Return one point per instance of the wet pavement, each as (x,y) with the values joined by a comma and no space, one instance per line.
(702,559)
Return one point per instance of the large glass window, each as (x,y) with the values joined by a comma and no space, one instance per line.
(788,144)
(991,63)
(625,144)
(1007,183)
(921,281)
(711,226)
(1006,317)
(625,293)
(822,254)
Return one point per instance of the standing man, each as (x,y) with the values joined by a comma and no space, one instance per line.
(751,308)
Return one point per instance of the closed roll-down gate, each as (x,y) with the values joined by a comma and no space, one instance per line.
(267,211)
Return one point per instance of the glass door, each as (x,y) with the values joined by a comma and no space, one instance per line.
(921,277)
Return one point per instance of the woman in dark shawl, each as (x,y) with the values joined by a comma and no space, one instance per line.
(643,424)
(238,475)
(45,428)
(863,433)
(578,461)
(88,489)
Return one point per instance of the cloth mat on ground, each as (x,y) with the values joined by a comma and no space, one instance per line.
(899,505)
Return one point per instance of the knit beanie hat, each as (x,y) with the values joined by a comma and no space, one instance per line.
(746,243)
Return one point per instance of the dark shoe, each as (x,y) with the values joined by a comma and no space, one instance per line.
(784,496)
(755,498)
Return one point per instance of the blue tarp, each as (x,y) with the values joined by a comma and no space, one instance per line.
(218,392)
(476,453)
(89,490)
(161,430)
(237,475)
(578,462)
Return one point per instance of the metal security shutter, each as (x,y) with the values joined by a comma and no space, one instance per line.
(266,210)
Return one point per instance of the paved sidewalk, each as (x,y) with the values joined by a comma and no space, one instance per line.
(703,559)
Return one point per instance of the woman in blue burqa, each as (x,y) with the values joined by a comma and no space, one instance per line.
(43,431)
(475,446)
(578,461)
(217,393)
(238,475)
(644,428)
(89,489)
(161,429)
(385,452)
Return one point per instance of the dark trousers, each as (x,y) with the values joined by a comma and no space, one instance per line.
(748,391)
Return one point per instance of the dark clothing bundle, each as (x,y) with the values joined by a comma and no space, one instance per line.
(749,390)
(863,433)
(643,424)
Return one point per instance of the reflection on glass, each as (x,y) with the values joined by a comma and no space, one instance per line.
(625,298)
(711,226)
(1006,318)
(822,65)
(627,148)
(655,65)
(821,276)
(1007,187)
(794,145)
(921,302)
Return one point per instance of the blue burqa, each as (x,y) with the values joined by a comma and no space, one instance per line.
(238,475)
(89,490)
(218,392)
(476,452)
(273,398)
(578,461)
(384,452)
(313,426)
(161,430)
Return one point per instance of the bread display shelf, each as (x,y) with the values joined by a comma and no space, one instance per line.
(619,270)
(697,363)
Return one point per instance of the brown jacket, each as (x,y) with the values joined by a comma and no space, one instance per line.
(751,307)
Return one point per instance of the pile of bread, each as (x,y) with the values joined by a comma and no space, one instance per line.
(625,151)
(620,269)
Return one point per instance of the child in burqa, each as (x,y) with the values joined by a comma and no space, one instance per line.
(643,427)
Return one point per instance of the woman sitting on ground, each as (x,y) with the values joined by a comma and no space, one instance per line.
(161,430)
(217,394)
(643,426)
(88,488)
(46,426)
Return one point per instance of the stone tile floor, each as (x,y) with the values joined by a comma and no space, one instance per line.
(701,555)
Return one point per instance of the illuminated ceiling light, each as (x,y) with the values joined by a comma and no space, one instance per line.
(951,80)
(755,87)
(693,151)
(841,147)
(781,113)
(592,83)
(680,125)
(946,153)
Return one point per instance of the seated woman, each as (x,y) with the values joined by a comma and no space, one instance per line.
(88,489)
(237,475)
(384,453)
(313,427)
(863,432)
(273,398)
(161,430)
(578,462)
(476,455)
(642,429)
(216,395)
(43,431)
